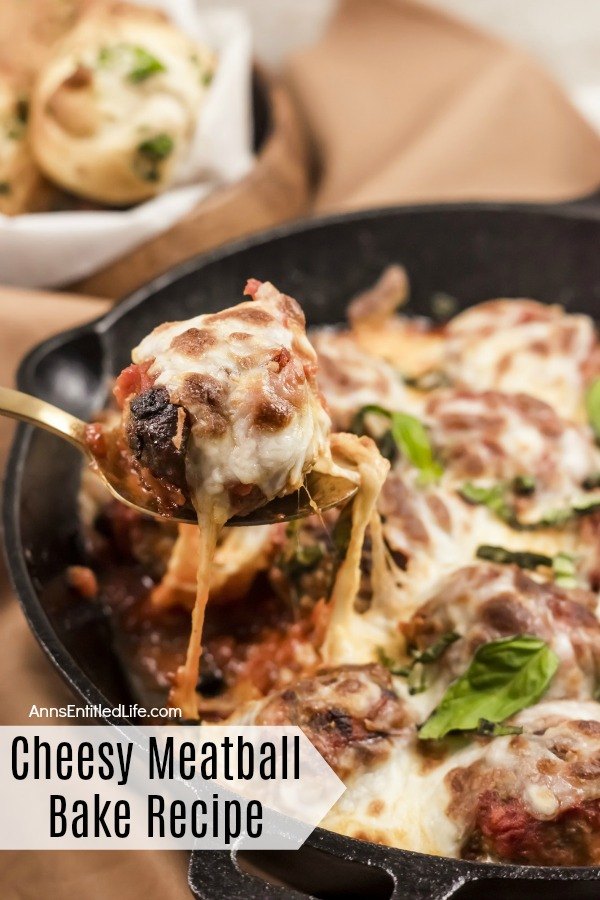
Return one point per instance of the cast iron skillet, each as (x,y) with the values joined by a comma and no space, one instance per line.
(472,252)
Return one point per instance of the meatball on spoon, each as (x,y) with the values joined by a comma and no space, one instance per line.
(319,492)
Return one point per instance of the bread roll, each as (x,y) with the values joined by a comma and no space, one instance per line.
(28,31)
(22,186)
(115,108)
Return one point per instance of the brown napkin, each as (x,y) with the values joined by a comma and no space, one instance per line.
(404,104)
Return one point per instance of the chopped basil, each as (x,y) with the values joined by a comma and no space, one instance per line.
(495,498)
(206,74)
(485,728)
(410,438)
(591,482)
(106,56)
(565,570)
(389,664)
(296,558)
(523,558)
(412,441)
(503,678)
(417,680)
(139,62)
(157,148)
(563,565)
(4,188)
(150,153)
(301,559)
(144,65)
(592,405)
(524,485)
(428,381)
(415,672)
(437,649)
(559,516)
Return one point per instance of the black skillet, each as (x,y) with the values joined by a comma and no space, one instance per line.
(471,252)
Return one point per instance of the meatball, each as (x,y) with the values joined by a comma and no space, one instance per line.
(115,108)
(504,344)
(534,798)
(349,713)
(351,378)
(486,602)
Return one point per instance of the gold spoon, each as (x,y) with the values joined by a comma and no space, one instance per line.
(319,493)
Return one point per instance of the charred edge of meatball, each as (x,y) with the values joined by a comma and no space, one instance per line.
(157,432)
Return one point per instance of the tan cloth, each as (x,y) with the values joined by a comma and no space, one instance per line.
(409,105)
(404,104)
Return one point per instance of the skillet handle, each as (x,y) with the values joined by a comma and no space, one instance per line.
(588,204)
(327,864)
(214,875)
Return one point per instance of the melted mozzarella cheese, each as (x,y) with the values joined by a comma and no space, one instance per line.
(351,378)
(403,801)
(512,345)
(240,555)
(233,355)
(339,645)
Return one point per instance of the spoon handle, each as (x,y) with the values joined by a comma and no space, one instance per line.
(37,412)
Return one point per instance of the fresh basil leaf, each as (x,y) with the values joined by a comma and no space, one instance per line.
(410,437)
(591,482)
(413,442)
(494,497)
(387,446)
(523,558)
(592,405)
(504,677)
